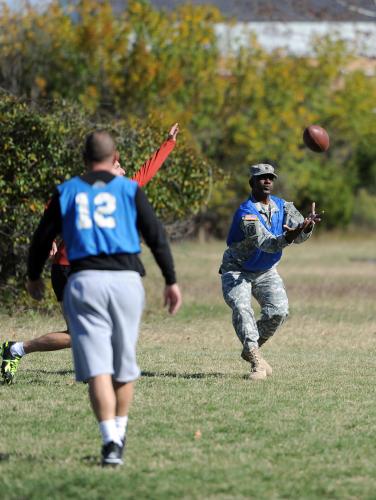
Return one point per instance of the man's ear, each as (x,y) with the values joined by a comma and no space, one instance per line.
(116,157)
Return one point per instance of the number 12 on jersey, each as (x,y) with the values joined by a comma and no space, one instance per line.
(104,207)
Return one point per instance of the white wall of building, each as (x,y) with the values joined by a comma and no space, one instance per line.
(298,37)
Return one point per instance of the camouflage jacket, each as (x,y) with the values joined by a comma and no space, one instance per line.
(258,236)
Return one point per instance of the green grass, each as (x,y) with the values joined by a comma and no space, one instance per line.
(198,428)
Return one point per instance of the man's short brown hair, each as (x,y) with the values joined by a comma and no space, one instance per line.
(99,146)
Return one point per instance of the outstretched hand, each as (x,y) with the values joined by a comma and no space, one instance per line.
(306,226)
(173,132)
(313,218)
(172,298)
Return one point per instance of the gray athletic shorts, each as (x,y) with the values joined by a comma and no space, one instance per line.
(104,309)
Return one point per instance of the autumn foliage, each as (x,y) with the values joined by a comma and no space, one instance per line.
(151,67)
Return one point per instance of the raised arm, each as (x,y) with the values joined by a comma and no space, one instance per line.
(154,163)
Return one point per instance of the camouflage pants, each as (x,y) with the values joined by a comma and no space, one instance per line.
(268,289)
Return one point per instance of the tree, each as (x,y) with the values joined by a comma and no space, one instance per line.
(236,107)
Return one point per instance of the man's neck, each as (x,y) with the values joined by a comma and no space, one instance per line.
(261,199)
(103,167)
(100,166)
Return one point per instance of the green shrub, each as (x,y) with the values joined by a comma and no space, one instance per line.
(41,148)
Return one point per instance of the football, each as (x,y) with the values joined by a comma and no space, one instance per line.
(316,138)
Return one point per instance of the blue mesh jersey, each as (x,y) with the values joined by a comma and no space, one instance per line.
(258,259)
(100,218)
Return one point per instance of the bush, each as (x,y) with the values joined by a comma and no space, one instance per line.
(41,148)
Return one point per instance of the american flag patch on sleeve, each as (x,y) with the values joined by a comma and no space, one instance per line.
(250,217)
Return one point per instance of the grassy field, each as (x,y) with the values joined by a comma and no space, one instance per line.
(198,428)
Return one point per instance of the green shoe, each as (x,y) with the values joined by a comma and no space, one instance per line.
(9,364)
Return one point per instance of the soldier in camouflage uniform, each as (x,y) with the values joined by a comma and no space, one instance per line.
(262,226)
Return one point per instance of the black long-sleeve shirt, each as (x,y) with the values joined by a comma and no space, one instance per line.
(149,226)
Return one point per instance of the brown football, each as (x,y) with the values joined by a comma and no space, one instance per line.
(316,138)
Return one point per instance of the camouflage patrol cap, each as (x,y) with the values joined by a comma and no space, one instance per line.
(262,169)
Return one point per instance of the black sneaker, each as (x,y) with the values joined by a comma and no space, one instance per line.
(112,455)
(9,363)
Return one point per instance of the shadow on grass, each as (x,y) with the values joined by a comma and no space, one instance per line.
(91,460)
(182,375)
(50,372)
(363,259)
(143,374)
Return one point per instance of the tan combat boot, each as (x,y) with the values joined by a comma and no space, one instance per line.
(263,363)
(257,371)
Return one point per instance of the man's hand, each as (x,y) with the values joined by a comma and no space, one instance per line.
(172,298)
(306,226)
(35,288)
(313,218)
(173,132)
(53,250)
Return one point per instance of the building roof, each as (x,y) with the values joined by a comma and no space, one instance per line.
(281,10)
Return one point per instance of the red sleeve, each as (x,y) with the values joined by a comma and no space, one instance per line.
(61,256)
(153,164)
